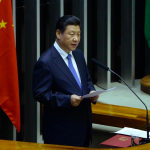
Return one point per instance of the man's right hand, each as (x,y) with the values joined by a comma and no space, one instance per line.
(75,100)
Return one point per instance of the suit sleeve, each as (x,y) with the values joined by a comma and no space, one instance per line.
(42,87)
(89,81)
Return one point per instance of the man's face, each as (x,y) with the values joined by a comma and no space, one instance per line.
(70,39)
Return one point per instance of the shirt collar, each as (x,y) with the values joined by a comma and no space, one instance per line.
(61,52)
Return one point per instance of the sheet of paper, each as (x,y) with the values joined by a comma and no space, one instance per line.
(97,93)
(136,132)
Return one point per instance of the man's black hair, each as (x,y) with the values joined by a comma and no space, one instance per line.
(66,20)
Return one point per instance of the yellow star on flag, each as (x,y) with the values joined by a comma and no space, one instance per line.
(2,24)
(0,1)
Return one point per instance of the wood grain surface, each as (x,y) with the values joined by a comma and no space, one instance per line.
(16,145)
(119,116)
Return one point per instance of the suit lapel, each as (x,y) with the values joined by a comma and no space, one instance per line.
(58,60)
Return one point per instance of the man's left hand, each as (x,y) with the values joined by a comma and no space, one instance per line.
(95,98)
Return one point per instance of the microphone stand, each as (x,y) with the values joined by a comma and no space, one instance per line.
(147,140)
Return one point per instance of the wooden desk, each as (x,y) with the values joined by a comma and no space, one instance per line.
(16,145)
(119,116)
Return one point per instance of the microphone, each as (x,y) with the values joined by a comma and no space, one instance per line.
(99,64)
(147,140)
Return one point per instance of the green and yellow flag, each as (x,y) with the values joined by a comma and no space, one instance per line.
(147,21)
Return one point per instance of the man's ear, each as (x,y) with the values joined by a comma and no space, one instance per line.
(58,34)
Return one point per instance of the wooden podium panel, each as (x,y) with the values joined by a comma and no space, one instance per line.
(145,84)
(119,116)
(16,145)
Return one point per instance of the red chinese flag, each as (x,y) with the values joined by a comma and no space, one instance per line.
(9,89)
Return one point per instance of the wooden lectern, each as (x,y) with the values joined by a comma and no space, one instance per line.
(15,145)
(145,84)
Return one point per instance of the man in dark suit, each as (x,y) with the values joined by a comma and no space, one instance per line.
(60,78)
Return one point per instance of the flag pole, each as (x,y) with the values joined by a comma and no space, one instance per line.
(14,22)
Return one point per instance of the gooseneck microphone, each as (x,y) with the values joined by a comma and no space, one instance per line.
(147,140)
